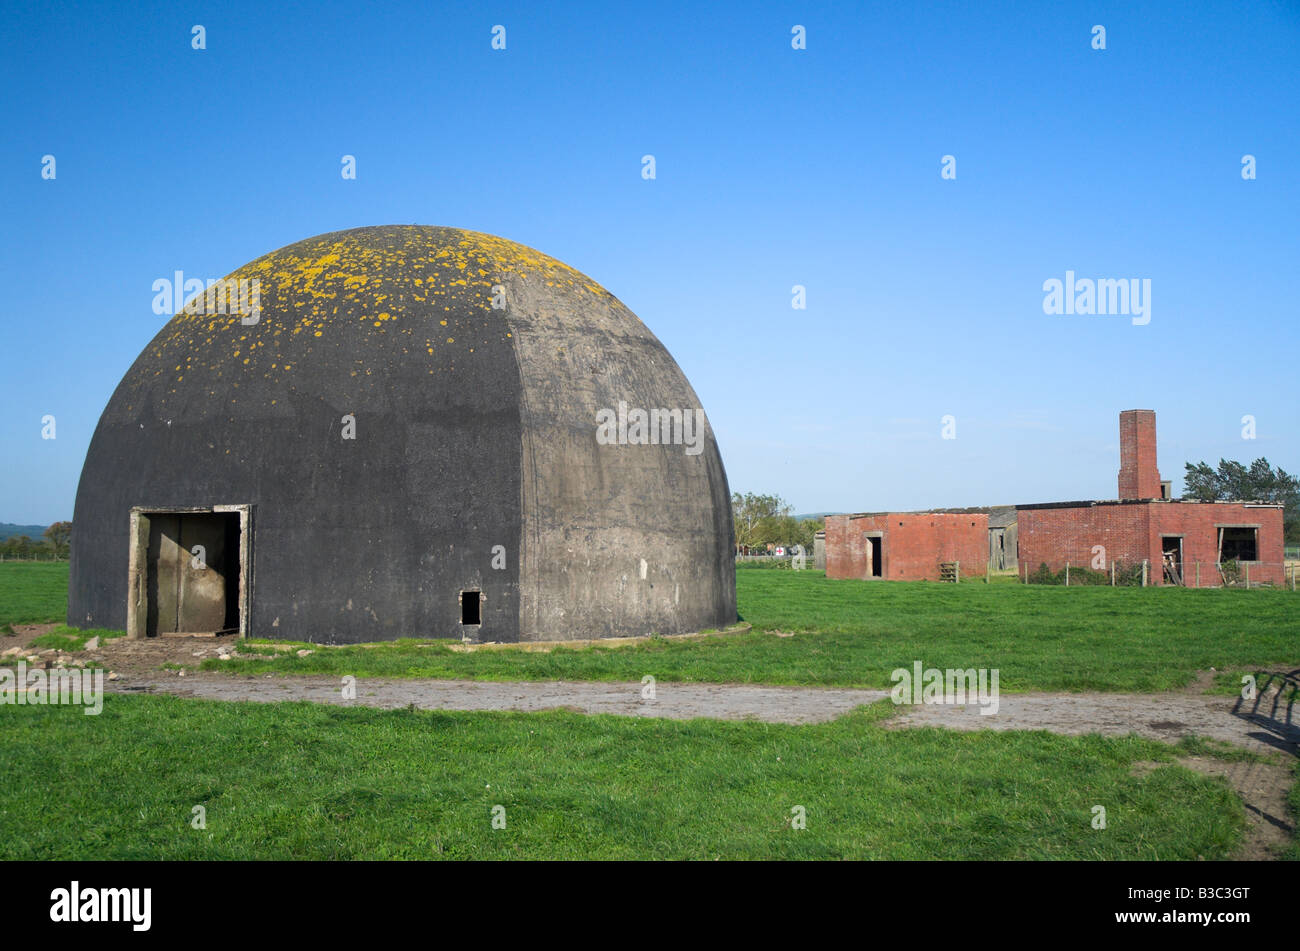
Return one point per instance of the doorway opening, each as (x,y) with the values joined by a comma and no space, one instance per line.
(1171,554)
(189,571)
(877,550)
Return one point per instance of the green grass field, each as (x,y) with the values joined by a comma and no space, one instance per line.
(298,780)
(33,592)
(854,634)
(307,781)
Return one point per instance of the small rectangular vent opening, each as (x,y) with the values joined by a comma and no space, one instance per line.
(469,607)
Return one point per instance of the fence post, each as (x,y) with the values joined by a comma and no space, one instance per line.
(1067,574)
(1112,573)
(1026,571)
(1247,564)
(1145,563)
(957,572)
(1198,574)
(988,570)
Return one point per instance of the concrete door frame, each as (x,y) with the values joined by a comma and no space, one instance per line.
(137,583)
(871,557)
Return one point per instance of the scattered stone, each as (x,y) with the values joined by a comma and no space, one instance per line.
(224,656)
(93,643)
(112,675)
(180,673)
(304,653)
(12,652)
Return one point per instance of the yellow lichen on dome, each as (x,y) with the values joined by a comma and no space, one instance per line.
(368,274)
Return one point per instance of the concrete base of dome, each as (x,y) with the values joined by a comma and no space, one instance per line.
(542,647)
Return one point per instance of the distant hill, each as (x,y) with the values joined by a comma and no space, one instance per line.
(34,532)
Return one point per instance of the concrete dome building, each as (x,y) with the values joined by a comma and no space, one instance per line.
(404,432)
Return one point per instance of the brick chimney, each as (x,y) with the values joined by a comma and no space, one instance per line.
(1138,476)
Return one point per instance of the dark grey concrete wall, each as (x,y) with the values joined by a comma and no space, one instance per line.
(475,427)
(617,538)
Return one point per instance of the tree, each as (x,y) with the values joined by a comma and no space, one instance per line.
(58,535)
(1258,482)
(18,546)
(763,520)
(781,530)
(808,528)
(756,517)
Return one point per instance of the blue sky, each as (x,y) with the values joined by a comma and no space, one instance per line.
(775,167)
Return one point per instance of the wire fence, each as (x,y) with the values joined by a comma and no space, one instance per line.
(787,561)
(1250,575)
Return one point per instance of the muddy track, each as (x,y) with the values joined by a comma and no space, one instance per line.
(671,700)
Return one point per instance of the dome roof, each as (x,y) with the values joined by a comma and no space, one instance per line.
(365,302)
(404,414)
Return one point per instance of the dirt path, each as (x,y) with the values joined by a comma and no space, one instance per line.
(1158,716)
(136,666)
(1166,716)
(673,701)
(123,654)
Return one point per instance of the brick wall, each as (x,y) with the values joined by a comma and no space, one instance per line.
(1198,523)
(1131,532)
(913,544)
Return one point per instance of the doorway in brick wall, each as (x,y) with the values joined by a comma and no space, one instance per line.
(876,550)
(1171,554)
